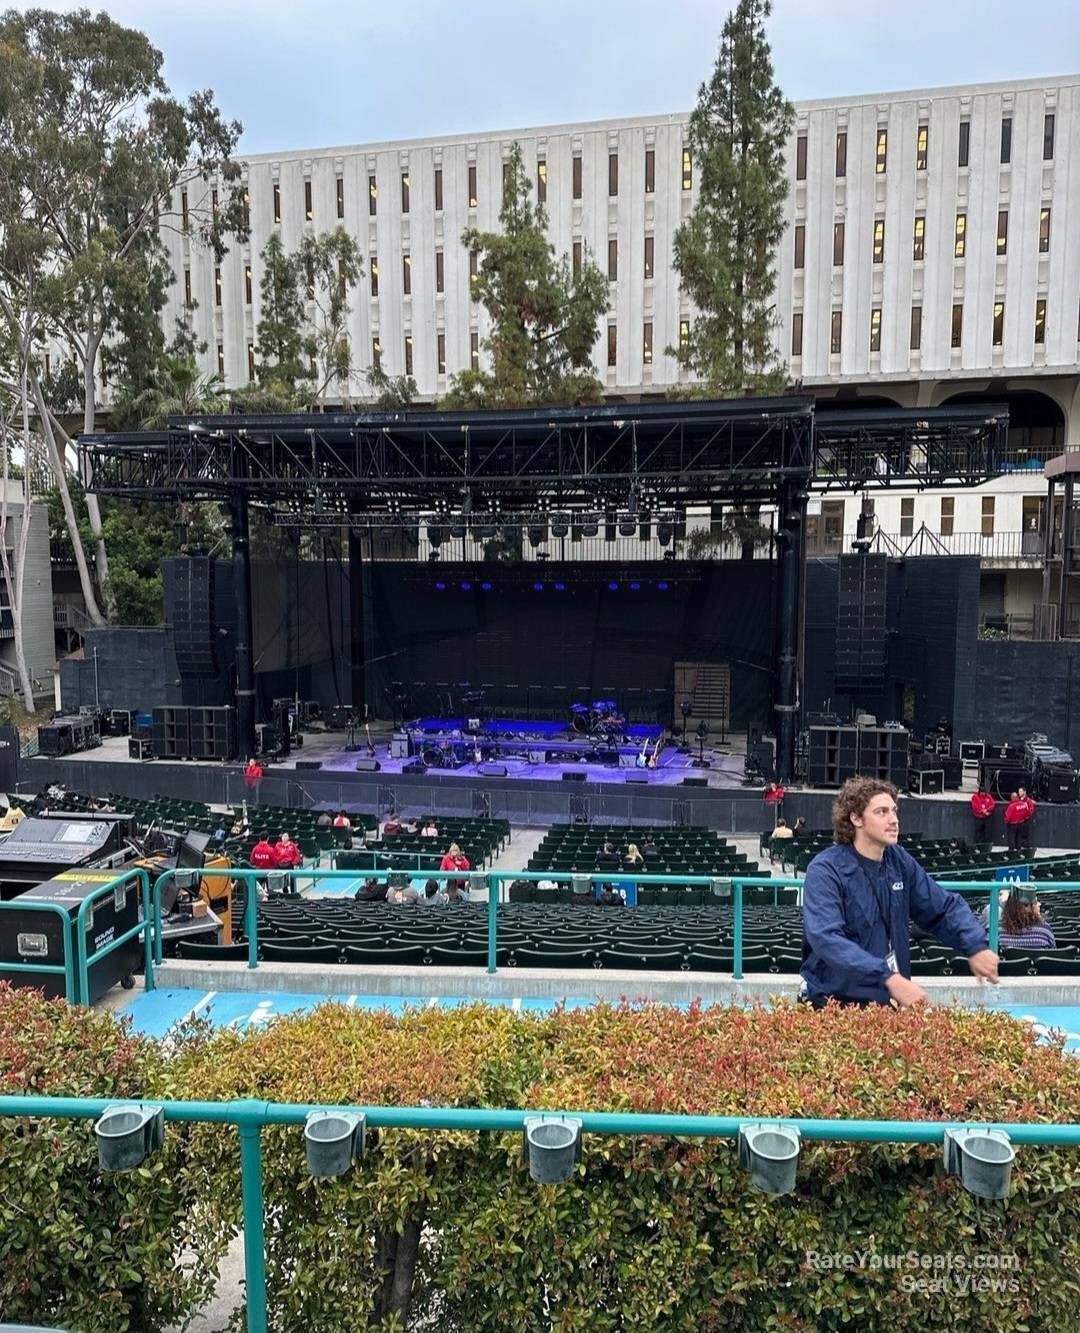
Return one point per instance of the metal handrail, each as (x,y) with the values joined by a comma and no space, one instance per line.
(142,928)
(66,967)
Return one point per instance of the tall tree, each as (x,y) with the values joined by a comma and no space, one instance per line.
(105,156)
(284,351)
(331,265)
(544,316)
(724,250)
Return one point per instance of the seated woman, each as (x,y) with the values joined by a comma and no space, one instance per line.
(633,856)
(1022,926)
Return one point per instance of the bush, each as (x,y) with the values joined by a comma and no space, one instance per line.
(447,1230)
(78,1247)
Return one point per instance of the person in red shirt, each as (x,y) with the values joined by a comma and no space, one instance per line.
(262,854)
(286,853)
(253,774)
(982,807)
(455,859)
(1018,816)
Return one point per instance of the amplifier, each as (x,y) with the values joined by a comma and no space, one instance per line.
(140,747)
(1061,786)
(399,745)
(954,773)
(926,781)
(538,757)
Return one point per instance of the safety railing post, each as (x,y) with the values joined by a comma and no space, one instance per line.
(254,1241)
(736,959)
(493,906)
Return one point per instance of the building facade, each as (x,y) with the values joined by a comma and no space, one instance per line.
(931,254)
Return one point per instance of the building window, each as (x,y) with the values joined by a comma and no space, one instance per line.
(796,333)
(438,270)
(957,324)
(308,210)
(684,334)
(837,244)
(372,196)
(277,202)
(1040,321)
(687,169)
(612,259)
(217,286)
(576,251)
(612,345)
(541,182)
(1003,231)
(646,343)
(440,353)
(438,190)
(310,280)
(251,362)
(987,515)
(474,351)
(648,257)
(907,515)
(882,148)
(187,287)
(1048,137)
(800,244)
(404,191)
(474,272)
(406,275)
(1006,139)
(964,144)
(184,219)
(373,268)
(800,158)
(650,171)
(918,239)
(472,184)
(221,359)
(408,354)
(875,329)
(506,176)
(959,235)
(916,328)
(879,240)
(841,153)
(214,202)
(1044,231)
(948,508)
(340,188)
(576,178)
(612,174)
(247,284)
(921,141)
(999,323)
(376,352)
(836,332)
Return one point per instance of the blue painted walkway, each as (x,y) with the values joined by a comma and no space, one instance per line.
(155,1012)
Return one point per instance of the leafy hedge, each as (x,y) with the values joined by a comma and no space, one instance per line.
(446,1230)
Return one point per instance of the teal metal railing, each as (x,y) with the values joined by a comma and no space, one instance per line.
(66,968)
(250,1116)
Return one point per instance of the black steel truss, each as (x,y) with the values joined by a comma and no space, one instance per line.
(626,457)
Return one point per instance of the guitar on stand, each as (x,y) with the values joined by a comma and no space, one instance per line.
(370,743)
(646,760)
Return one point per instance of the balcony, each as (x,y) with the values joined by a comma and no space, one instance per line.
(996,550)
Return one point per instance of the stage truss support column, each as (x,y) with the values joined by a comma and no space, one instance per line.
(245,670)
(791,542)
(357,627)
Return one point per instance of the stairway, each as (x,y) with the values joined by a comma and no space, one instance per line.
(711,696)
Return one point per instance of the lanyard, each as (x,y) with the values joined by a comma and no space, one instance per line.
(885,916)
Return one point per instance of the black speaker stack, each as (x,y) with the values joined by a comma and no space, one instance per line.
(194,733)
(861,644)
(573,776)
(194,631)
(1058,785)
(838,753)
(1001,777)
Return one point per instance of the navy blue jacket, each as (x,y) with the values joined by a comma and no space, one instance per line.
(845,941)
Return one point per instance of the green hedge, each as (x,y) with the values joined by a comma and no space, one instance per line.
(446,1231)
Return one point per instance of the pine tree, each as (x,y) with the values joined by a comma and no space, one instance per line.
(544,317)
(724,251)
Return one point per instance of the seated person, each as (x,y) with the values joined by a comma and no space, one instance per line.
(391,826)
(429,828)
(455,859)
(798,829)
(607,855)
(371,891)
(325,820)
(1022,926)
(633,856)
(649,849)
(433,894)
(781,831)
(607,896)
(401,893)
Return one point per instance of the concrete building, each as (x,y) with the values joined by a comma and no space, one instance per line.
(37,603)
(931,255)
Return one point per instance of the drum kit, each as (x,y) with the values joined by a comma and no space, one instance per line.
(600,718)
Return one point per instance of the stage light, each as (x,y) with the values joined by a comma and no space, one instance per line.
(613,587)
(466,587)
(560,587)
(485,587)
(635,587)
(538,587)
(440,587)
(662,586)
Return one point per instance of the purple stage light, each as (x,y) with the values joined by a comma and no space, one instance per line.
(613,587)
(560,587)
(466,587)
(440,587)
(635,587)
(538,587)
(662,587)
(485,587)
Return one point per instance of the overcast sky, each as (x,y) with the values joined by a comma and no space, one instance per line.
(323,72)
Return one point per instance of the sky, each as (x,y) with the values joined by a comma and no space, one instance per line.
(323,73)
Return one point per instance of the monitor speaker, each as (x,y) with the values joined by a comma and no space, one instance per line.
(492,770)
(637,777)
(574,777)
(694,782)
(415,765)
(309,764)
(368,766)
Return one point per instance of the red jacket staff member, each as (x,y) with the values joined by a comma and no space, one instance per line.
(253,773)
(1018,816)
(262,855)
(982,807)
(286,854)
(455,859)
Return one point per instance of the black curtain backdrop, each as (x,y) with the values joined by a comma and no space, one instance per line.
(535,647)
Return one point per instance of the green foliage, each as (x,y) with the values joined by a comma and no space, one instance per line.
(544,317)
(332,266)
(724,250)
(80,1248)
(393,393)
(284,351)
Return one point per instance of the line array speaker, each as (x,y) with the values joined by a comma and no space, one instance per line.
(861,644)
(194,631)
